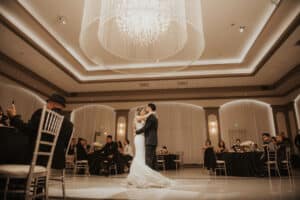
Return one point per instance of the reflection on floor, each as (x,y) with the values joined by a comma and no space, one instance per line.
(190,184)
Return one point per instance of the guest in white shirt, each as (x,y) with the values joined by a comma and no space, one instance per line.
(127,152)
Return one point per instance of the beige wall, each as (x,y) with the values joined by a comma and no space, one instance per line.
(26,101)
(4,80)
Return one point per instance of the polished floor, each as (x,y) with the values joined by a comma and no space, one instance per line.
(191,183)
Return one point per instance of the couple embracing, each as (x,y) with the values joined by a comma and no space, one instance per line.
(142,173)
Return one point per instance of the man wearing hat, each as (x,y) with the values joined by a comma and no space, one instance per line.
(55,103)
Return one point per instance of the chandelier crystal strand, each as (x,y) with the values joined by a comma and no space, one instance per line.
(141,27)
(143,21)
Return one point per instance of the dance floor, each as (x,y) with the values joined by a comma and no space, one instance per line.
(190,183)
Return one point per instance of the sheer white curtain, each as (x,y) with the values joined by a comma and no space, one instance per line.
(181,128)
(26,101)
(245,119)
(91,119)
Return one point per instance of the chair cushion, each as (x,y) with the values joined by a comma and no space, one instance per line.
(220,161)
(19,170)
(271,162)
(82,161)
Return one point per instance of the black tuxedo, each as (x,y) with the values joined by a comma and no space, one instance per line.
(31,129)
(150,131)
(81,153)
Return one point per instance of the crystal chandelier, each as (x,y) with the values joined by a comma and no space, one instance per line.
(126,32)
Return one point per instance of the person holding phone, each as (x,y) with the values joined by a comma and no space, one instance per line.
(57,104)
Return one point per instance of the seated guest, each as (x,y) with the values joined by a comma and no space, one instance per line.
(128,152)
(89,148)
(120,147)
(267,145)
(104,157)
(273,140)
(221,147)
(285,140)
(163,150)
(297,141)
(55,103)
(209,156)
(72,147)
(237,146)
(81,149)
(267,142)
(281,149)
(3,118)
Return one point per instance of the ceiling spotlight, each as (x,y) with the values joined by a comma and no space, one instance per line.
(62,20)
(242,29)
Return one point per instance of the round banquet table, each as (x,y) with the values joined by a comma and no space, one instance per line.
(14,146)
(243,164)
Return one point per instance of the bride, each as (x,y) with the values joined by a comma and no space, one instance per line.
(140,175)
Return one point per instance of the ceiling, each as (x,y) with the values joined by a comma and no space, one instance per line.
(262,60)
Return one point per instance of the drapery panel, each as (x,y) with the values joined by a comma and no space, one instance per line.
(26,102)
(94,122)
(181,128)
(246,120)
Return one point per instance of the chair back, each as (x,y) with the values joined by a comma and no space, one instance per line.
(288,154)
(160,157)
(271,155)
(48,131)
(179,156)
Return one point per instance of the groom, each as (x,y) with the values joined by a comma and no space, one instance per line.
(150,131)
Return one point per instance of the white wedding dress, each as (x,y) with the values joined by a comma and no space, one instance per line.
(140,175)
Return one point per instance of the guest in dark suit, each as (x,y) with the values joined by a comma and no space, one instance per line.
(150,131)
(55,103)
(110,149)
(81,149)
(104,157)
